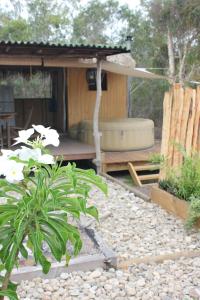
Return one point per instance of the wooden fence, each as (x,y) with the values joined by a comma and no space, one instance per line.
(181,123)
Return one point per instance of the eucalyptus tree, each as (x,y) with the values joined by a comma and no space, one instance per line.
(50,20)
(178,23)
(97,23)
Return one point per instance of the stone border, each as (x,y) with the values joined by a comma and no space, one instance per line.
(157,259)
(105,259)
(111,257)
(127,187)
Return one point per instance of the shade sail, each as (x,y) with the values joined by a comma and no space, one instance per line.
(109,66)
(132,72)
(124,59)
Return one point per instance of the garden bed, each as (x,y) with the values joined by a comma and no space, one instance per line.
(171,203)
(94,254)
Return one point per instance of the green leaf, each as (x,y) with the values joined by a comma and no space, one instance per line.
(55,246)
(92,211)
(6,217)
(23,251)
(2,267)
(12,295)
(46,265)
(11,258)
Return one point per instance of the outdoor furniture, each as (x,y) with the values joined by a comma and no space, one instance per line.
(15,129)
(5,117)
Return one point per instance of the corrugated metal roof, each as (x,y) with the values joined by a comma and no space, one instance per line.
(62,45)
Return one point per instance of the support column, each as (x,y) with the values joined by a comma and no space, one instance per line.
(96,133)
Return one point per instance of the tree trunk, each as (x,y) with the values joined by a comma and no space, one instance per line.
(96,132)
(171,57)
(182,64)
(5,283)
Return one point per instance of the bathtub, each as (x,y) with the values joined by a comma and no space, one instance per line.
(120,134)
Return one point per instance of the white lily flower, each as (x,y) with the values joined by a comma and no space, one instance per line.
(8,153)
(46,159)
(14,171)
(26,153)
(51,138)
(24,135)
(41,129)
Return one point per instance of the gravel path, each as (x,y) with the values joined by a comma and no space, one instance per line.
(134,229)
(169,281)
(137,228)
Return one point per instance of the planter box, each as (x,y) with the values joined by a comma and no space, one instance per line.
(170,203)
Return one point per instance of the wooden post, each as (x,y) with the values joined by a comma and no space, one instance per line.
(64,101)
(96,133)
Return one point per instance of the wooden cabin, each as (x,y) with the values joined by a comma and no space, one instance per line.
(67,78)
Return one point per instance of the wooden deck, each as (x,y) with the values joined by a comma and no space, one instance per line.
(118,161)
(73,150)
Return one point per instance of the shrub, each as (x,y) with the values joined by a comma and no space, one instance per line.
(39,196)
(184,183)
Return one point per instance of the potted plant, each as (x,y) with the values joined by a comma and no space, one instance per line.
(39,196)
(179,192)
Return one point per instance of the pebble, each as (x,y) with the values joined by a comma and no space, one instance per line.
(97,273)
(135,228)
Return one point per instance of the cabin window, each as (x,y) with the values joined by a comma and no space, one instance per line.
(91,80)
(28,85)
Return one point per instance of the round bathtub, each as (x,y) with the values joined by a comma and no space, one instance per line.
(121,134)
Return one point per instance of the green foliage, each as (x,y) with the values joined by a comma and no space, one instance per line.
(194,211)
(184,183)
(10,292)
(96,22)
(42,213)
(187,179)
(48,19)
(42,208)
(15,30)
(157,159)
(37,85)
(181,19)
(147,101)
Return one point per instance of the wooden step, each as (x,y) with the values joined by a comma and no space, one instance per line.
(146,167)
(134,175)
(148,177)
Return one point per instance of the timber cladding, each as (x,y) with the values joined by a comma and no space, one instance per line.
(81,101)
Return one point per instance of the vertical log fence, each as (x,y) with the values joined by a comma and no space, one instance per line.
(181,124)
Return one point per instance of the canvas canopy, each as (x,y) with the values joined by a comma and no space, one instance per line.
(132,72)
(121,64)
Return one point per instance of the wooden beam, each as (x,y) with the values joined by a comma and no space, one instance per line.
(96,132)
(50,61)
(14,60)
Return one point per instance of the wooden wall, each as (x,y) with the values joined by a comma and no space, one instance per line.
(81,101)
